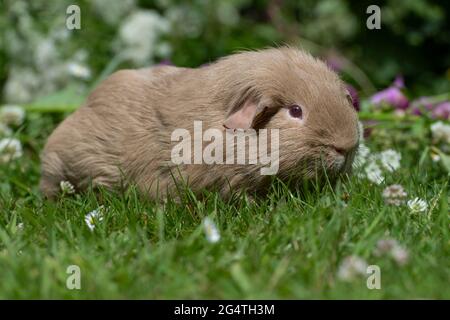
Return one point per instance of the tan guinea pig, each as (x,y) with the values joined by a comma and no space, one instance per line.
(124,133)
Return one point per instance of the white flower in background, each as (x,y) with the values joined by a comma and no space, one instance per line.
(435,157)
(352,267)
(440,132)
(12,115)
(394,194)
(80,55)
(227,13)
(45,53)
(21,85)
(139,33)
(390,159)
(361,156)
(163,49)
(193,20)
(10,149)
(400,255)
(384,246)
(78,70)
(67,187)
(40,71)
(374,173)
(93,217)
(417,205)
(4,130)
(112,12)
(211,231)
(20,226)
(61,34)
(391,247)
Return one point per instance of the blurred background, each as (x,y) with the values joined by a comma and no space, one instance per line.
(40,57)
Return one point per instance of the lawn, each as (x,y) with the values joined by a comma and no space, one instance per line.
(289,244)
(391,217)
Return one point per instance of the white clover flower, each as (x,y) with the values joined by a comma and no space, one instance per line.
(417,205)
(12,115)
(78,70)
(67,187)
(113,11)
(93,217)
(373,173)
(60,34)
(361,156)
(361,175)
(21,85)
(45,53)
(391,247)
(351,267)
(211,231)
(193,20)
(163,49)
(227,13)
(390,159)
(400,255)
(385,246)
(80,55)
(139,33)
(394,194)
(10,149)
(440,132)
(435,157)
(4,130)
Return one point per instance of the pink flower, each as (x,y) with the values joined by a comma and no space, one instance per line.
(421,105)
(335,62)
(355,97)
(165,62)
(426,106)
(392,96)
(441,111)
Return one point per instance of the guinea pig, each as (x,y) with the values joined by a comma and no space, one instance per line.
(124,133)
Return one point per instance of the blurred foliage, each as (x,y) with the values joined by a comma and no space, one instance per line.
(413,41)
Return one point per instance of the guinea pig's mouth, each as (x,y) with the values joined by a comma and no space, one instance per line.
(333,163)
(342,164)
(317,162)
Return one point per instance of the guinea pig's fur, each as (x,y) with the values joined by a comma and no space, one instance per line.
(122,134)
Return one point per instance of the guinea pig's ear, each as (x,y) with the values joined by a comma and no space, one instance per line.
(243,117)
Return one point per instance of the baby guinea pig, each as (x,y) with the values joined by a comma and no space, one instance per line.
(123,134)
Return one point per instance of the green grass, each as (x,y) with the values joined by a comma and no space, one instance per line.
(285,245)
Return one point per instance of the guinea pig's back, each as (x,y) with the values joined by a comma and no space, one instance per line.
(93,144)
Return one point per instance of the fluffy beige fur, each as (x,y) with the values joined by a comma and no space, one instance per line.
(121,135)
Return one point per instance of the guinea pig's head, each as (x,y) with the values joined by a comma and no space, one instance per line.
(289,90)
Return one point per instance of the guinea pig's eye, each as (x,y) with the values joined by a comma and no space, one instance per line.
(295,111)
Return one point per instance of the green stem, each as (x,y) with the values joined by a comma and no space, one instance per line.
(439,98)
(387,117)
(50,109)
